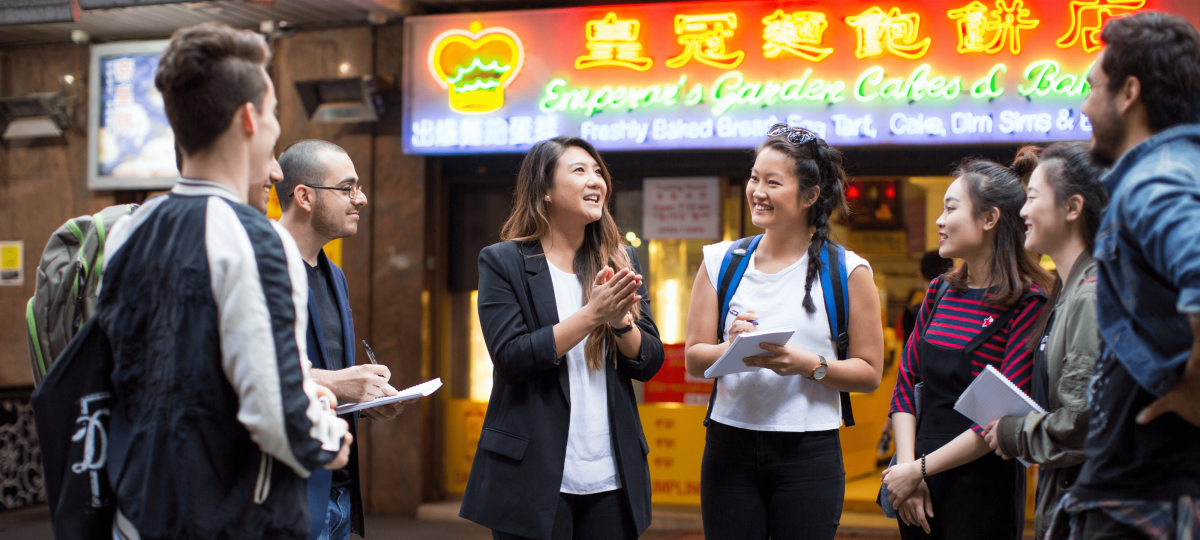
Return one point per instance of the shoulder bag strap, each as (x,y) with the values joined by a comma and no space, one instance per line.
(737,258)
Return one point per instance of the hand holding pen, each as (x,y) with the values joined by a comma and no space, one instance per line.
(743,323)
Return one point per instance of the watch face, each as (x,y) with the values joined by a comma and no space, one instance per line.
(819,373)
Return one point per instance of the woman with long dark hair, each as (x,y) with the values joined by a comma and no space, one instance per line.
(947,484)
(772,465)
(1062,214)
(563,311)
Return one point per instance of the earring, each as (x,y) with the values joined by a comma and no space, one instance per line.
(547,198)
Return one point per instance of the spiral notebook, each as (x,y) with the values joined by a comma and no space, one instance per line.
(991,396)
(745,346)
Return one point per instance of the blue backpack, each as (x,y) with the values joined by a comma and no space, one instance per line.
(833,262)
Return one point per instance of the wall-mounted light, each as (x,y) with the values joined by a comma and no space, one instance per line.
(341,101)
(33,116)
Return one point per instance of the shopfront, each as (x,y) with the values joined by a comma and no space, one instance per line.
(675,96)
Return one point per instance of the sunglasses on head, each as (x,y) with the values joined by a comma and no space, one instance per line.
(795,135)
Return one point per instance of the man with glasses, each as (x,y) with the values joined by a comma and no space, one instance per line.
(321,197)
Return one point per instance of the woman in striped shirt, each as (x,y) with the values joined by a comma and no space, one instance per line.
(947,483)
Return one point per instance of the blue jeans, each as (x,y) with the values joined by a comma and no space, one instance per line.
(337,526)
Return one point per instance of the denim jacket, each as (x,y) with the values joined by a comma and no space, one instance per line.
(1148,257)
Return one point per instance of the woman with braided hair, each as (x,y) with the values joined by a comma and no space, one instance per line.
(772,461)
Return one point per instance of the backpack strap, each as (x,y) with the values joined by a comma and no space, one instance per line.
(737,258)
(837,308)
(35,340)
(943,288)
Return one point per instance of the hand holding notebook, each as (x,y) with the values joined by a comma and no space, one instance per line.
(992,396)
(744,346)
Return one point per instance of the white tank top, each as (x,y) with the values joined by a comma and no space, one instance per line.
(762,400)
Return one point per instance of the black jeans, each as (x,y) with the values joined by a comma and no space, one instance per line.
(781,485)
(599,516)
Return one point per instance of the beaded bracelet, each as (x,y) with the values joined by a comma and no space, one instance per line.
(923,476)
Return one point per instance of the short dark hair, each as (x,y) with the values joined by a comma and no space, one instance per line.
(207,72)
(301,164)
(1163,52)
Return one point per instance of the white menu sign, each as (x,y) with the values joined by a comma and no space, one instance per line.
(681,208)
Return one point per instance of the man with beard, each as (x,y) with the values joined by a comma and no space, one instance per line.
(321,197)
(1142,475)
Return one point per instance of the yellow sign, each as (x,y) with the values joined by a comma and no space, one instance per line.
(476,66)
(12,263)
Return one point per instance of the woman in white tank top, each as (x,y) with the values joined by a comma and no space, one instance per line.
(772,460)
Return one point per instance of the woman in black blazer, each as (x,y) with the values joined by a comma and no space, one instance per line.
(561,303)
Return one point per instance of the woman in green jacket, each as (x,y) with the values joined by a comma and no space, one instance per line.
(1062,212)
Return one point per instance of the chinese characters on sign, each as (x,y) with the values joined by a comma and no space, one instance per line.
(613,43)
(1087,19)
(893,32)
(798,33)
(703,38)
(681,208)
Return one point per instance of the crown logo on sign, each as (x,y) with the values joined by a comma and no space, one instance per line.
(476,66)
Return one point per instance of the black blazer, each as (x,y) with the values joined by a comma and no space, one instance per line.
(517,472)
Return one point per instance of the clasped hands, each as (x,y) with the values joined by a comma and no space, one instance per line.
(909,493)
(613,295)
(784,360)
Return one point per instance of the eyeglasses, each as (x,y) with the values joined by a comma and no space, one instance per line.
(796,136)
(353,191)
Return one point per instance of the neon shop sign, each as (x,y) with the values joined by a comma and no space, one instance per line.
(714,75)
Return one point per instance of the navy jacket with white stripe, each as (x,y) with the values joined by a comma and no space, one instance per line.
(205,303)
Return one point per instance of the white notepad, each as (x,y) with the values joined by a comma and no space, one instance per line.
(991,396)
(745,346)
(420,390)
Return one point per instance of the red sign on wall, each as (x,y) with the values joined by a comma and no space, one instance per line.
(672,384)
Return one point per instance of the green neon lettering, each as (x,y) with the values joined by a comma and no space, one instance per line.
(771,92)
(1064,84)
(694,96)
(671,91)
(936,84)
(722,100)
(599,100)
(1047,70)
(834,90)
(550,95)
(891,88)
(873,75)
(815,90)
(751,93)
(952,89)
(988,87)
(1046,77)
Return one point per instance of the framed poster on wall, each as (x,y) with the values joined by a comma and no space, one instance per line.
(130,142)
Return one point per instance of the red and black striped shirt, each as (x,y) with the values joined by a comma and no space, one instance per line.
(958,319)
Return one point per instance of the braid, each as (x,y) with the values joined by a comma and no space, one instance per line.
(819,237)
(817,166)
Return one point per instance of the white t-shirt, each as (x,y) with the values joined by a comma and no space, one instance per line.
(762,400)
(589,466)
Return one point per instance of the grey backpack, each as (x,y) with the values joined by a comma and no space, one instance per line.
(67,278)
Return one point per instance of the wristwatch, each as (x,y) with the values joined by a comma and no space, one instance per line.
(819,370)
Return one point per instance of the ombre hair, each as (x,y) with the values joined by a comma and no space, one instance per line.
(603,245)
